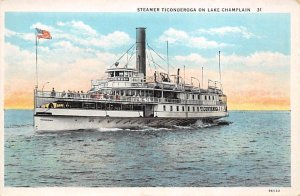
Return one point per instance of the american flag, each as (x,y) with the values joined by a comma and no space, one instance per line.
(43,34)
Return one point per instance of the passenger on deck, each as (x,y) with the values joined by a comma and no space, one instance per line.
(53,93)
(63,94)
(69,93)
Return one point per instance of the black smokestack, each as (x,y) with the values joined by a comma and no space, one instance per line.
(141,50)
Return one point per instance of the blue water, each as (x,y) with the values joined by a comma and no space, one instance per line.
(252,151)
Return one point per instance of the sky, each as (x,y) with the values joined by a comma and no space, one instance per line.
(255,52)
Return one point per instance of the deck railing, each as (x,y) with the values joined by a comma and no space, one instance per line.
(71,96)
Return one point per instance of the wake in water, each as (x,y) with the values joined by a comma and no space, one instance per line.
(201,124)
(197,125)
(143,128)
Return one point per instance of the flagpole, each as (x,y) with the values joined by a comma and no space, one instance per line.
(36,75)
(168,57)
(36,62)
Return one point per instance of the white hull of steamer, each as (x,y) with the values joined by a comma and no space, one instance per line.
(55,120)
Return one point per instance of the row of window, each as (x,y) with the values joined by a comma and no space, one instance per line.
(193,108)
(97,106)
(121,73)
(206,97)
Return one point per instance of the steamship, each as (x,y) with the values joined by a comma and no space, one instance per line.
(128,98)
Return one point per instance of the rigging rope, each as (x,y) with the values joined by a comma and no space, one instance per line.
(156,53)
(123,55)
(159,55)
(128,61)
(152,59)
(155,62)
(149,63)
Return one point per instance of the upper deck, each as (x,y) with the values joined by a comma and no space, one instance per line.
(45,97)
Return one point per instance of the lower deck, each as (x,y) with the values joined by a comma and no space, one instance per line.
(160,110)
(54,119)
(70,123)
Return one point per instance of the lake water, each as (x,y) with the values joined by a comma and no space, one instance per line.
(253,151)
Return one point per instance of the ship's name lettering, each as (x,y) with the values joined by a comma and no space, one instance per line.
(167,9)
(193,9)
(204,109)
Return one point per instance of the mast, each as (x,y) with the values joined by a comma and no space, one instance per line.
(184,74)
(168,57)
(202,79)
(220,68)
(221,86)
